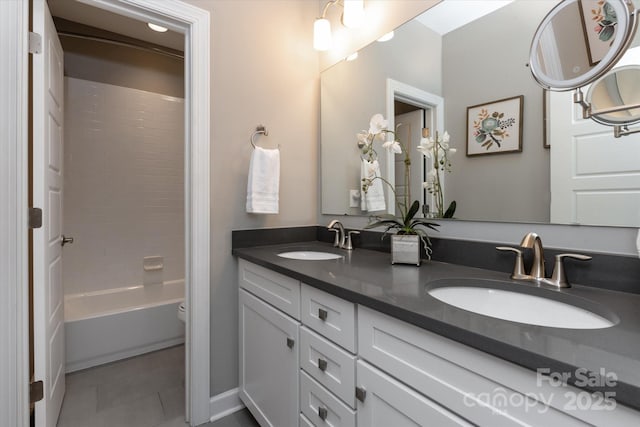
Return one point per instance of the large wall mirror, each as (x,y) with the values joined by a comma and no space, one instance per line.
(480,62)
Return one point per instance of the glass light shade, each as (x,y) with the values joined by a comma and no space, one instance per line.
(353,13)
(322,34)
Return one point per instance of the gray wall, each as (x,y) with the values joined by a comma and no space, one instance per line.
(123,66)
(485,61)
(263,71)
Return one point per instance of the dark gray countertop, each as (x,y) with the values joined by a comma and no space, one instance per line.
(367,277)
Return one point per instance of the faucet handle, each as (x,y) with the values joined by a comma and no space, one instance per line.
(518,267)
(559,277)
(348,245)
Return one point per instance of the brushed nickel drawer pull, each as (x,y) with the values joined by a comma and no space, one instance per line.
(322,364)
(322,413)
(322,314)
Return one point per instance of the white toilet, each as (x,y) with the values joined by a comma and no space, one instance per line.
(181,312)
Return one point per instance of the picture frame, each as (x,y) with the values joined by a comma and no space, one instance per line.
(599,28)
(495,127)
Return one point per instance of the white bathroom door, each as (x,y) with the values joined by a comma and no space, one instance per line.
(409,134)
(595,178)
(48,295)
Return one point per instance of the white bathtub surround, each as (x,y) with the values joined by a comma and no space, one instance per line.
(124,185)
(105,326)
(153,267)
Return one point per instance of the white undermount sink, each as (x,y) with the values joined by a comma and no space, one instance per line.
(309,255)
(520,307)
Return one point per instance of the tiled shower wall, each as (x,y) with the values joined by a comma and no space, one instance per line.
(123,185)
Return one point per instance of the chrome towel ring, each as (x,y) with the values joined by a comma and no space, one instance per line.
(260,129)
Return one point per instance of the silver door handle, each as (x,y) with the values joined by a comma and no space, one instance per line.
(65,240)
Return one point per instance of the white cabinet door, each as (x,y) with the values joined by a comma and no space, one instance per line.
(391,403)
(268,363)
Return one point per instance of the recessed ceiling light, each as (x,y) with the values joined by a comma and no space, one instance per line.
(386,37)
(157,28)
(352,57)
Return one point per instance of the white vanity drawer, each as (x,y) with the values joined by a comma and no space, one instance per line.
(330,316)
(277,289)
(321,407)
(330,365)
(477,386)
(304,421)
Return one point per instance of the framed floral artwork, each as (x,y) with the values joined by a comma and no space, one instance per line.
(495,127)
(599,26)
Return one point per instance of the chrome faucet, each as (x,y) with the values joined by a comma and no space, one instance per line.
(340,237)
(537,273)
(532,240)
(343,240)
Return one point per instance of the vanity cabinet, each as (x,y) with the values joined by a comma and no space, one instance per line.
(309,358)
(268,348)
(388,402)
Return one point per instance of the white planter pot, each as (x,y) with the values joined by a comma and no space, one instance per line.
(405,249)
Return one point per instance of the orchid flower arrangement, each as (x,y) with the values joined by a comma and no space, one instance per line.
(437,150)
(405,223)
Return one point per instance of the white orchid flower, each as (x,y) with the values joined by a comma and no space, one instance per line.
(431,176)
(445,137)
(363,137)
(377,124)
(393,147)
(452,151)
(425,147)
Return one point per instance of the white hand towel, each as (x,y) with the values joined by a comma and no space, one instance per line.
(264,181)
(373,199)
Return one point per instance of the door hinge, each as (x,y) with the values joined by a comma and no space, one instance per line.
(35,43)
(35,217)
(36,391)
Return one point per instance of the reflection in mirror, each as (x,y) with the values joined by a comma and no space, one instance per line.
(579,41)
(479,62)
(619,88)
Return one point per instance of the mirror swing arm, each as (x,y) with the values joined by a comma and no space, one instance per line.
(587,113)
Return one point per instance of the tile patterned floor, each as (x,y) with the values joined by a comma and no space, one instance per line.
(143,391)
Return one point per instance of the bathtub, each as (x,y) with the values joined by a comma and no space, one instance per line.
(105,326)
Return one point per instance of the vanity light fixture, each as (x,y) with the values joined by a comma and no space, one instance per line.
(352,17)
(353,13)
(156,27)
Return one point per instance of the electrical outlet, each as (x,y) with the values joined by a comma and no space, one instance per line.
(354,198)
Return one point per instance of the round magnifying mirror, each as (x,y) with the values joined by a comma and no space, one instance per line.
(579,41)
(619,88)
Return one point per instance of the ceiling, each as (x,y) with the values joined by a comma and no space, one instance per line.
(449,15)
(72,10)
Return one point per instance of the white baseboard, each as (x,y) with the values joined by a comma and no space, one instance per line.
(224,404)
